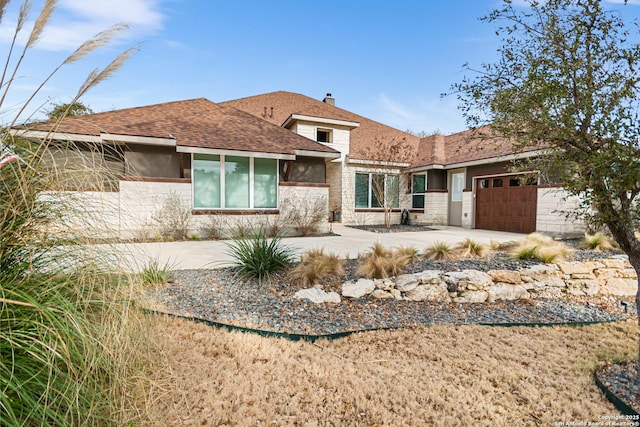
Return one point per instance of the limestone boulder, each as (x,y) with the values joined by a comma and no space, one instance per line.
(617,261)
(407,282)
(317,296)
(429,276)
(546,292)
(384,284)
(578,267)
(435,292)
(472,280)
(507,291)
(589,287)
(505,276)
(549,274)
(620,287)
(471,297)
(358,289)
(381,294)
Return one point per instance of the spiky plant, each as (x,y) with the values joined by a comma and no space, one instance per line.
(440,251)
(259,257)
(380,262)
(411,252)
(155,273)
(537,246)
(597,242)
(471,248)
(316,266)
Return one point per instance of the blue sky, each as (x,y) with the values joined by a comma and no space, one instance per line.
(388,61)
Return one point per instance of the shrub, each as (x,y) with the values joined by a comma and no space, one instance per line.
(440,251)
(212,227)
(411,252)
(305,216)
(539,247)
(173,218)
(471,248)
(258,257)
(597,242)
(315,266)
(156,274)
(380,263)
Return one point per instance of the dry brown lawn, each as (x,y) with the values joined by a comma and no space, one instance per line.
(437,375)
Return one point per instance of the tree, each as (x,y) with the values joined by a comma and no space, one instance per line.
(385,187)
(567,79)
(75,108)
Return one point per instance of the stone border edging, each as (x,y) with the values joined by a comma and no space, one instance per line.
(613,398)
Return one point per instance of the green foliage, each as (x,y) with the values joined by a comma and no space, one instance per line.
(173,218)
(258,257)
(541,248)
(75,108)
(597,242)
(567,81)
(155,274)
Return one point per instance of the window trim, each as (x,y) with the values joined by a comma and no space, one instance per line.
(329,133)
(370,191)
(222,189)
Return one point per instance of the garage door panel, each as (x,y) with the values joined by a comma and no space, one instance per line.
(507,208)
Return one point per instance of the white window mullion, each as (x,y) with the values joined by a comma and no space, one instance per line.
(222,182)
(370,190)
(251,189)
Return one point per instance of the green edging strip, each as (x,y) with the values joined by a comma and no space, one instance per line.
(313,338)
(617,402)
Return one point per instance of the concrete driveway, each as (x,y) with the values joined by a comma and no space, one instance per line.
(347,244)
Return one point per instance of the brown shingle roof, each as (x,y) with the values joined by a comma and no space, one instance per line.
(197,123)
(276,107)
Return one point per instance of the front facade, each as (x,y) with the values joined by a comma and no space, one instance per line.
(258,159)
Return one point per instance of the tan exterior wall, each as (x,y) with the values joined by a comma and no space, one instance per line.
(436,210)
(553,203)
(340,135)
(468,209)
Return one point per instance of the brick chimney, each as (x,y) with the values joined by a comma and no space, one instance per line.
(329,100)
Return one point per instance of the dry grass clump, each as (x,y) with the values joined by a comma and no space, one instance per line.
(316,266)
(597,242)
(440,251)
(411,252)
(380,262)
(438,375)
(470,248)
(539,247)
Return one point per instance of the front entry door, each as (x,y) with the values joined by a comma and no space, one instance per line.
(455,200)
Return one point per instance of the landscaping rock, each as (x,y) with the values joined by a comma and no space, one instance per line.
(432,292)
(407,282)
(358,289)
(473,280)
(379,293)
(430,276)
(384,284)
(618,261)
(587,287)
(577,267)
(317,296)
(506,291)
(471,297)
(505,276)
(546,292)
(619,287)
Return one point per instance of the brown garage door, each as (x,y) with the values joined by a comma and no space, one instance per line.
(506,203)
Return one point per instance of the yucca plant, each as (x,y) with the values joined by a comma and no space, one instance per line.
(258,256)
(66,349)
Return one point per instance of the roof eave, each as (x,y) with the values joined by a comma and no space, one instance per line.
(322,120)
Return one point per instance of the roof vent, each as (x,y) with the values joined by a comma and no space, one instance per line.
(329,100)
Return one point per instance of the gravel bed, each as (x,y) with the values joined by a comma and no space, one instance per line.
(216,295)
(620,381)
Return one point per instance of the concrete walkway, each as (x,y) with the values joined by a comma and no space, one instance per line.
(348,243)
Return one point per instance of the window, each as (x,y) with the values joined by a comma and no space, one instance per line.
(373,189)
(497,183)
(323,135)
(457,187)
(233,182)
(418,187)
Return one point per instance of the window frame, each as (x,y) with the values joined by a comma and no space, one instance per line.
(222,183)
(414,193)
(371,193)
(329,133)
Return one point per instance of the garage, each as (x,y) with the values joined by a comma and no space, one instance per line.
(507,203)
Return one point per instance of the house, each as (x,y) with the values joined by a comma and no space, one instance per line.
(257,158)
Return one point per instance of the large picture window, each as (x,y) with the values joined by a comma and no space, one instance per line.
(373,189)
(234,182)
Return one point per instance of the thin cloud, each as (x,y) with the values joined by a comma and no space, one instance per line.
(78,20)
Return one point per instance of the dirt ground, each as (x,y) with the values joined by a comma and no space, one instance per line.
(436,375)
